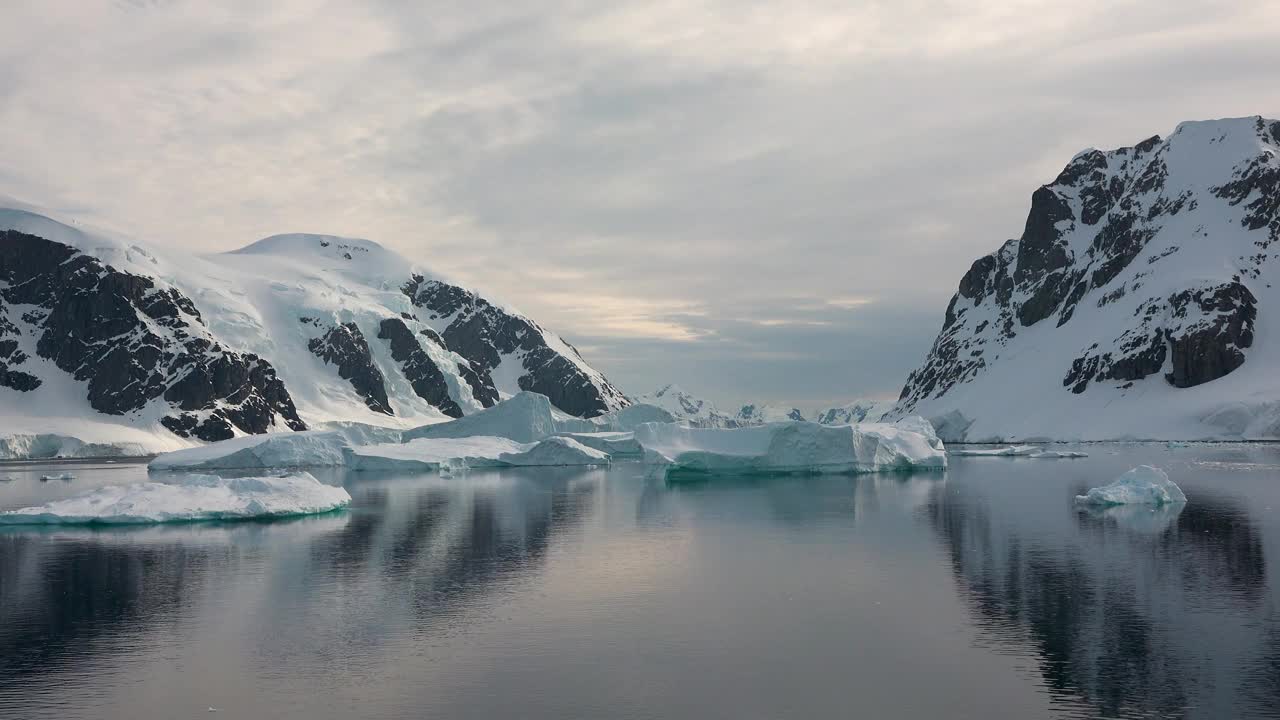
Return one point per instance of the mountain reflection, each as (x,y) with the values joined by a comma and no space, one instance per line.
(1112,604)
(413,550)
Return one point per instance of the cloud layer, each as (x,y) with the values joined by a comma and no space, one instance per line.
(757,200)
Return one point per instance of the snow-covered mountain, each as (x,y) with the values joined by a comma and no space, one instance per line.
(855,412)
(109,340)
(700,412)
(1137,303)
(760,414)
(687,407)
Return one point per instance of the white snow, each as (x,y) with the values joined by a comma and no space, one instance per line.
(190,498)
(631,417)
(1143,485)
(788,448)
(616,444)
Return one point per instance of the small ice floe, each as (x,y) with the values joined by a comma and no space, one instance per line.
(7,478)
(1028,451)
(194,497)
(1143,485)
(63,476)
(1177,444)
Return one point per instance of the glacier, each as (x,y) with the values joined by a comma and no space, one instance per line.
(789,447)
(188,499)
(1143,485)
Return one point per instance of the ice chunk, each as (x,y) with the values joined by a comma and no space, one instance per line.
(616,444)
(1143,485)
(916,423)
(254,452)
(451,454)
(191,498)
(788,447)
(60,476)
(629,418)
(1057,454)
(555,451)
(525,417)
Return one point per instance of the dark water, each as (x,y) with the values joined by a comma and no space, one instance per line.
(566,594)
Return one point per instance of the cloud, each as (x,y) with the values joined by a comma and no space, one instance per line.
(759,200)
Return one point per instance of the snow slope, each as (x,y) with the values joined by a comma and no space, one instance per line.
(354,333)
(1137,304)
(855,412)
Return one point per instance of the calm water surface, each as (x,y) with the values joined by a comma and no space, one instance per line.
(981,592)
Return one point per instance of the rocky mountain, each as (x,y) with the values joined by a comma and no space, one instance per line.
(1137,302)
(753,414)
(111,341)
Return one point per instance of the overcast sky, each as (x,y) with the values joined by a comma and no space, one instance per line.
(758,200)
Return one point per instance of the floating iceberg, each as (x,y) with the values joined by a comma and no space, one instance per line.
(1029,451)
(193,498)
(1143,485)
(617,444)
(332,449)
(61,476)
(450,454)
(789,447)
(525,417)
(261,452)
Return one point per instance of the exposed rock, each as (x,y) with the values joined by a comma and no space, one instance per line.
(423,375)
(485,334)
(132,341)
(345,347)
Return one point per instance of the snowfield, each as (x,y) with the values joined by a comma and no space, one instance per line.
(188,499)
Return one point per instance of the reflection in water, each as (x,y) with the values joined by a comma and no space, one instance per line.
(68,598)
(1113,611)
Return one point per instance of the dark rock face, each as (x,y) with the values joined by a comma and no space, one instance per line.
(11,357)
(483,334)
(132,341)
(1088,244)
(427,380)
(345,347)
(1213,344)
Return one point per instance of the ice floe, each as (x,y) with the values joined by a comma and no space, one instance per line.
(789,447)
(260,452)
(1029,451)
(189,498)
(1143,485)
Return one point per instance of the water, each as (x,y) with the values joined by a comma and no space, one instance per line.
(587,594)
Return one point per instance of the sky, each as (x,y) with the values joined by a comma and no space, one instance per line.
(759,201)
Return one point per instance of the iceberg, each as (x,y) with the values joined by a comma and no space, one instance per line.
(261,452)
(1143,485)
(450,454)
(192,498)
(631,417)
(525,417)
(616,444)
(789,447)
(328,449)
(60,476)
